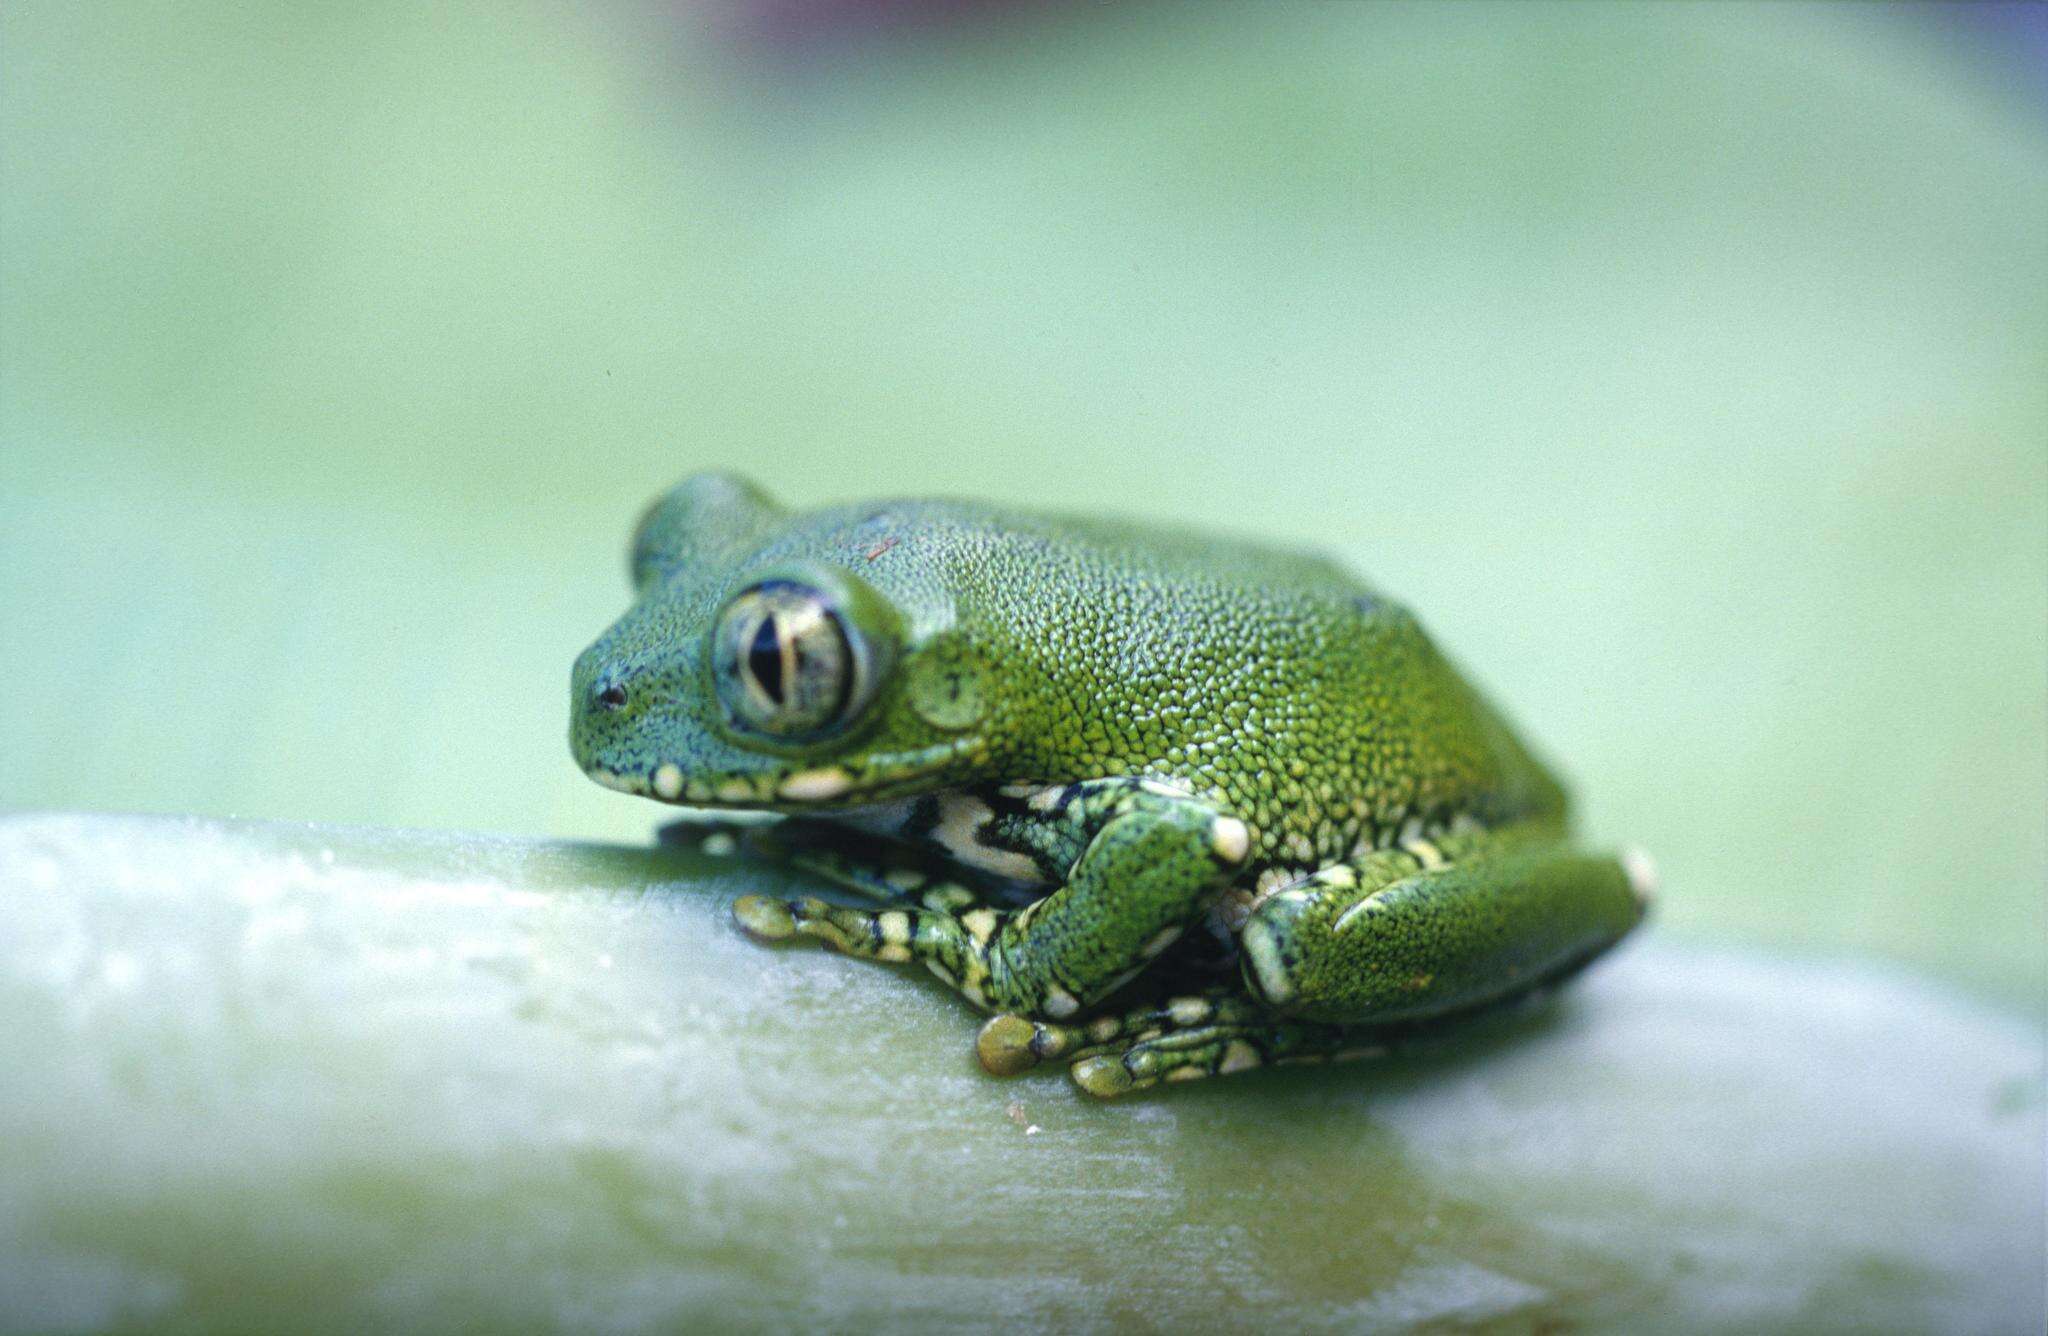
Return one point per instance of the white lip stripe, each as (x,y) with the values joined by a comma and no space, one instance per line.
(813,785)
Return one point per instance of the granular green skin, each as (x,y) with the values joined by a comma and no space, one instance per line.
(1057,746)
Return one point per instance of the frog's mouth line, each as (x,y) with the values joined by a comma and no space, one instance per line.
(869,778)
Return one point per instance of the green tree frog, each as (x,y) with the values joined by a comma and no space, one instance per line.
(1164,805)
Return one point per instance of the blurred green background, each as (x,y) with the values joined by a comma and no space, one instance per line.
(1683,366)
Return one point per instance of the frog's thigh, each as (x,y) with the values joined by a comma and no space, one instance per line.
(1390,939)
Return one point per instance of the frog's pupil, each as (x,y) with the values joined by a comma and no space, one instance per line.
(764,659)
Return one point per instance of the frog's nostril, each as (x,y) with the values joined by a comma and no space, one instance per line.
(610,696)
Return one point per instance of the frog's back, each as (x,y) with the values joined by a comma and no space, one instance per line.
(972,538)
(1271,679)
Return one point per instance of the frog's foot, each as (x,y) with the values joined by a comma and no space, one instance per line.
(953,948)
(1217,1050)
(883,935)
(1009,1044)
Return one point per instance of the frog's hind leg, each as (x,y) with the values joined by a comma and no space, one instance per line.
(1430,930)
(1358,958)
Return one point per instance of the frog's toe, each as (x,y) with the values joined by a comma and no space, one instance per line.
(1104,1077)
(1008,1045)
(763,918)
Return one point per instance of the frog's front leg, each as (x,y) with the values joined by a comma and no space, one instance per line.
(1427,930)
(1153,861)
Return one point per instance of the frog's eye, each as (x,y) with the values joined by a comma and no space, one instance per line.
(786,662)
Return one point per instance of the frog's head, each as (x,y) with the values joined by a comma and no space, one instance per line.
(759,669)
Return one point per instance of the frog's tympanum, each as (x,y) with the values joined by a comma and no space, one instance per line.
(1165,804)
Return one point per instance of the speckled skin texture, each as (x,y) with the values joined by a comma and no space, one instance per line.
(1060,745)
